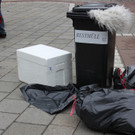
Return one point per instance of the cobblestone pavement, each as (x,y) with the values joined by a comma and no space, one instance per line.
(31,23)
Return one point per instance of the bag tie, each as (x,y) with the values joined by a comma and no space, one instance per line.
(1,19)
(73,105)
(123,81)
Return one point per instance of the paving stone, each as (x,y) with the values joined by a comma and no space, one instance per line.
(1,131)
(24,129)
(5,67)
(8,64)
(83,130)
(60,46)
(13,106)
(52,34)
(118,34)
(128,57)
(32,106)
(70,49)
(133,27)
(117,57)
(125,43)
(27,40)
(15,70)
(127,34)
(16,94)
(8,86)
(61,41)
(59,130)
(117,60)
(66,120)
(73,68)
(43,38)
(12,77)
(12,50)
(64,36)
(3,95)
(12,56)
(5,53)
(110,134)
(45,42)
(6,119)
(64,28)
(117,54)
(2,58)
(18,46)
(59,30)
(118,65)
(74,79)
(35,116)
(71,44)
(67,110)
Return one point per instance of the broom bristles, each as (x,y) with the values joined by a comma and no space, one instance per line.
(116,18)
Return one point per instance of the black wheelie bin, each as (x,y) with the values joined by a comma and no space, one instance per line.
(94,46)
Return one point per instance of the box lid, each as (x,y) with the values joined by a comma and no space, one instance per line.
(40,53)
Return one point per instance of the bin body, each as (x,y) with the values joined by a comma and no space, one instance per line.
(94,49)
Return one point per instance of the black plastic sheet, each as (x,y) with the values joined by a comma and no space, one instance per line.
(47,98)
(127,78)
(101,109)
(107,110)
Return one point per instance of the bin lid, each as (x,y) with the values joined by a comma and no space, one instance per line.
(81,10)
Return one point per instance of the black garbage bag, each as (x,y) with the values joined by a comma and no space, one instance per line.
(124,79)
(106,110)
(47,98)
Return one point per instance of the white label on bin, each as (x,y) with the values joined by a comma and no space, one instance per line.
(94,37)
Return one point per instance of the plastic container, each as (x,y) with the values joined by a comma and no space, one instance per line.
(44,65)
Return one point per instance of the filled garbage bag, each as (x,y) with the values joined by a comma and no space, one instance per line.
(47,98)
(106,110)
(124,79)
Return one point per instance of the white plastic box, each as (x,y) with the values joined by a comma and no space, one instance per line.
(44,65)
